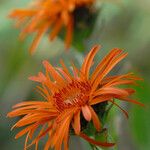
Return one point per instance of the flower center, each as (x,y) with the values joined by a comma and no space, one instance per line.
(74,94)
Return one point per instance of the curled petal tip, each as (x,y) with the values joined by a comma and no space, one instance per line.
(97,46)
(45,62)
(31,78)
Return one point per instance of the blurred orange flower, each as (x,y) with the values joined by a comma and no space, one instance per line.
(48,16)
(70,95)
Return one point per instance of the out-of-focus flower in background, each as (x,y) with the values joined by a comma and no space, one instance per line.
(70,99)
(52,16)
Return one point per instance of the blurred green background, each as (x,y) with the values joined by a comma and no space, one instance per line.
(120,23)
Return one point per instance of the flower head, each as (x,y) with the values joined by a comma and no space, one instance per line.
(49,16)
(72,95)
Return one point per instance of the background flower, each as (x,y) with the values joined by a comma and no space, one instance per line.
(53,16)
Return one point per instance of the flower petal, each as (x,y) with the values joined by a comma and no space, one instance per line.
(88,61)
(76,124)
(86,113)
(98,143)
(95,119)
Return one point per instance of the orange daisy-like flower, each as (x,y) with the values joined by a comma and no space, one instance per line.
(49,14)
(70,96)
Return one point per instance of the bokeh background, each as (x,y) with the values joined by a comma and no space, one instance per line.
(120,23)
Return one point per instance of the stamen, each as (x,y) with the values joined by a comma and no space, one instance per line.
(75,93)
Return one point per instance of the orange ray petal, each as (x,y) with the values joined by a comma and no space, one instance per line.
(75,71)
(112,79)
(107,69)
(26,141)
(65,68)
(57,77)
(64,74)
(24,131)
(65,113)
(48,144)
(38,37)
(62,131)
(86,113)
(95,119)
(33,103)
(76,124)
(98,143)
(42,134)
(66,141)
(22,13)
(39,78)
(69,33)
(130,100)
(57,28)
(88,61)
(111,91)
(99,99)
(104,62)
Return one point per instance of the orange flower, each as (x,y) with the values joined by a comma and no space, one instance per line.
(68,96)
(46,15)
